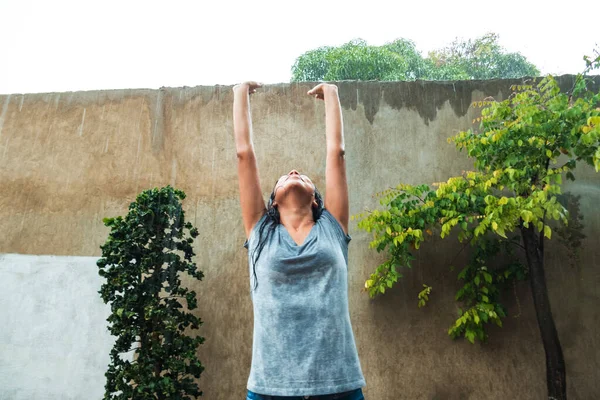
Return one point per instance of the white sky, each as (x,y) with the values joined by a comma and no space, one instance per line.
(61,45)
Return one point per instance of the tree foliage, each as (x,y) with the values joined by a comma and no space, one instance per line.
(142,267)
(516,182)
(355,58)
(482,58)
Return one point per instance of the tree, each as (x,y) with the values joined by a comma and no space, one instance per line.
(353,60)
(416,66)
(482,58)
(514,189)
(143,286)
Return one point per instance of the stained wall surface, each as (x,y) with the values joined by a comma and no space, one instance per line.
(67,160)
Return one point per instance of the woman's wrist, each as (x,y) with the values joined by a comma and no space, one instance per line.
(248,87)
(330,91)
(241,88)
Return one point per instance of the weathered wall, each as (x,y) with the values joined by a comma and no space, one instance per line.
(69,159)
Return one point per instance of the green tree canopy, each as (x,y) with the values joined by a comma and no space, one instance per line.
(482,58)
(351,60)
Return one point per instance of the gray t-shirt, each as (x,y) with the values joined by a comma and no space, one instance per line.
(303,342)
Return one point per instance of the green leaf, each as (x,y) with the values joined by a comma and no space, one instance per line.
(500,231)
(547,231)
(488,277)
(526,215)
(470,335)
(484,317)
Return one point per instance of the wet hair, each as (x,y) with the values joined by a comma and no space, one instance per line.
(270,222)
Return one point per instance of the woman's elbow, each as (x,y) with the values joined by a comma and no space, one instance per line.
(245,153)
(336,151)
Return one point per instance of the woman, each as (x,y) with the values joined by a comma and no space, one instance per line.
(303,344)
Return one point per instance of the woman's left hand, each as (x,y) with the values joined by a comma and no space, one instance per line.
(248,87)
(322,89)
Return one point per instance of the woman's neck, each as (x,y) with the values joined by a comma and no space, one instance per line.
(296,218)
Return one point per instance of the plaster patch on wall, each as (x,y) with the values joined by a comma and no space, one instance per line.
(54,343)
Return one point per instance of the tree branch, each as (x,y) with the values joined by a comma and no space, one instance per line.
(135,348)
(460,251)
(515,243)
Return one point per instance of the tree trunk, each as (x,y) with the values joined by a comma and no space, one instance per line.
(556,379)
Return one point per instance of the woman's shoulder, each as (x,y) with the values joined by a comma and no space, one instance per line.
(257,226)
(332,222)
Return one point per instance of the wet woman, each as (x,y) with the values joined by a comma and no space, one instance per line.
(303,344)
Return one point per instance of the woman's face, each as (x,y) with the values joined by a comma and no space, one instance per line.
(294,182)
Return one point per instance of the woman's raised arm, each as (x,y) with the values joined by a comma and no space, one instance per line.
(252,202)
(336,184)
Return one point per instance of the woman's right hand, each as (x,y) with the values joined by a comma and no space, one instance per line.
(247,87)
(322,89)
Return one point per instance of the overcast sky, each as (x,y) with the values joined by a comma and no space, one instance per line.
(60,45)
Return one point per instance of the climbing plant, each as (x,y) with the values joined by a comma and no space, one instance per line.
(142,261)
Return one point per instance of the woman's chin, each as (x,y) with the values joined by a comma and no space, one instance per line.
(297,188)
(291,192)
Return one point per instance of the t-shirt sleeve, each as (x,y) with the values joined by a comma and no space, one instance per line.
(253,231)
(337,229)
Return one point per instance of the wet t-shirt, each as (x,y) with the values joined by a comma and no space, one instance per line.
(303,343)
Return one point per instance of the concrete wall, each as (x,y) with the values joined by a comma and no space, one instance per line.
(53,342)
(69,159)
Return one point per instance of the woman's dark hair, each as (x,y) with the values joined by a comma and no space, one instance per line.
(271,221)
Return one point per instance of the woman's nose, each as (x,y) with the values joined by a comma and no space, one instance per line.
(294,172)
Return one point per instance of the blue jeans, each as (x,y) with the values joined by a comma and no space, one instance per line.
(356,394)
